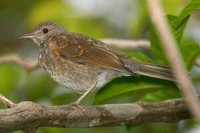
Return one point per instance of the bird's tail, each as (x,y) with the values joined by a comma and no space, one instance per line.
(136,67)
(155,71)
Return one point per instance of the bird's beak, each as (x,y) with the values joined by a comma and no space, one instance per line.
(27,36)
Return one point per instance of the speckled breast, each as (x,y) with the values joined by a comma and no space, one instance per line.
(68,73)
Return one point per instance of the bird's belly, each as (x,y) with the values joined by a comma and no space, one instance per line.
(70,74)
(106,76)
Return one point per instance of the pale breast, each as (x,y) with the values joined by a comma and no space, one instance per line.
(68,73)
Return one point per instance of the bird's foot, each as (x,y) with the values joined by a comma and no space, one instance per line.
(78,106)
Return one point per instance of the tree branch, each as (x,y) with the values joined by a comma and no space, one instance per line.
(29,115)
(174,58)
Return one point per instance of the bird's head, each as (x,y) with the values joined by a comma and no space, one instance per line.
(43,32)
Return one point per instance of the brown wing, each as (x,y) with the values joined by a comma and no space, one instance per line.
(84,50)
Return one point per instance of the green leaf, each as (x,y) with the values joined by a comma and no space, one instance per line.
(161,95)
(190,51)
(178,25)
(193,6)
(137,86)
(156,48)
(177,30)
(138,55)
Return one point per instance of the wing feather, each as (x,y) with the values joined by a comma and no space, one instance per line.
(82,49)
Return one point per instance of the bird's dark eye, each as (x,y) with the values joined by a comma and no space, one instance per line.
(45,30)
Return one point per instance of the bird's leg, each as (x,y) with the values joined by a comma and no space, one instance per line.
(85,93)
(77,102)
(6,101)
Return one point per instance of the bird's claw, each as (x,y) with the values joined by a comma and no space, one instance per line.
(78,106)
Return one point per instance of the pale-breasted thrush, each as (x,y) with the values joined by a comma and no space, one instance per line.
(83,63)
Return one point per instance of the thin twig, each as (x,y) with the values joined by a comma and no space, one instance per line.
(127,44)
(27,64)
(173,55)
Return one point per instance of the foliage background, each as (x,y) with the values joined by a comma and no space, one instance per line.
(127,19)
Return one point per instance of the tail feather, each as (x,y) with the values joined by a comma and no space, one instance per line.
(156,71)
(135,67)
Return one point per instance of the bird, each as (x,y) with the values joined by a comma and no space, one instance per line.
(82,63)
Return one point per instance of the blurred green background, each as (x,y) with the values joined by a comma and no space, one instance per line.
(126,19)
